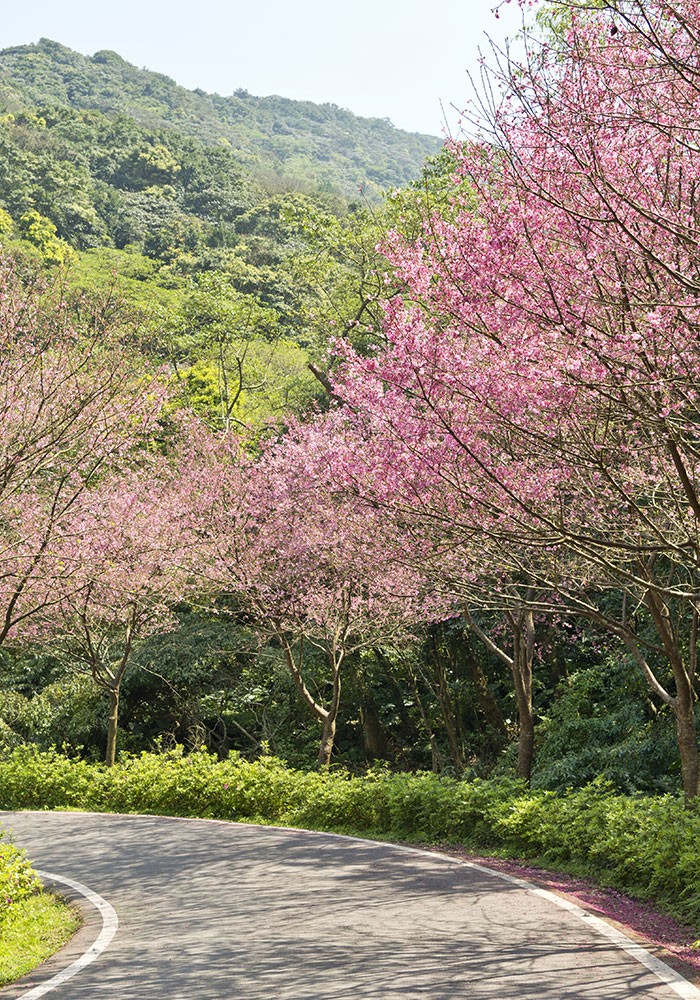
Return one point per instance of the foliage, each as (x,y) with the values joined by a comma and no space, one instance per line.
(295,143)
(67,712)
(41,232)
(503,419)
(602,724)
(17,878)
(506,421)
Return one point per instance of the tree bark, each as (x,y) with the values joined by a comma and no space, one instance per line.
(373,735)
(329,724)
(327,740)
(523,649)
(683,704)
(526,723)
(111,753)
(684,712)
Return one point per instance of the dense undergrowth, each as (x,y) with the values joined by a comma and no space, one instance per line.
(645,845)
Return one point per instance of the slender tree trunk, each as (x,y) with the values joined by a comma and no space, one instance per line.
(526,724)
(523,642)
(111,753)
(520,663)
(434,748)
(448,715)
(329,724)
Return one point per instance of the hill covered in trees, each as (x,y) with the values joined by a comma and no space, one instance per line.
(315,146)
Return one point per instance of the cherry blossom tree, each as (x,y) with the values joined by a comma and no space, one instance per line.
(74,403)
(119,562)
(543,365)
(310,564)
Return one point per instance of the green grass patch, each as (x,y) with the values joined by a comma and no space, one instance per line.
(32,930)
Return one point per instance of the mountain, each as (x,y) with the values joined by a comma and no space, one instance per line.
(313,147)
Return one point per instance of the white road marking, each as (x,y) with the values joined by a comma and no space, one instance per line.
(110,923)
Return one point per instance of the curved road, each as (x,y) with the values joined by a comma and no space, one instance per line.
(221,911)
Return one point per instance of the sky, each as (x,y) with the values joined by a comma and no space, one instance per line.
(395,59)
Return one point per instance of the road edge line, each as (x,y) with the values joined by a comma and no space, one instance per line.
(110,924)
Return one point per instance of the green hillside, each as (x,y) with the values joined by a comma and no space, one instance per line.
(316,146)
(228,231)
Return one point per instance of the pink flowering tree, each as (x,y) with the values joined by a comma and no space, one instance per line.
(310,564)
(541,372)
(74,403)
(400,479)
(116,568)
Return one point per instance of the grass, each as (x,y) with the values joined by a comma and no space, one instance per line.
(31,931)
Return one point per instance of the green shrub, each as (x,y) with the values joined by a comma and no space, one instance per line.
(649,845)
(17,879)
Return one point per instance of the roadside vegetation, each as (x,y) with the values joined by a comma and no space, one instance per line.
(33,924)
(31,931)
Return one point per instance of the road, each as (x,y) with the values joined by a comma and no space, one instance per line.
(219,911)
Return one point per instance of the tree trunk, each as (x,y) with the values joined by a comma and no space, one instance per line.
(112,726)
(373,735)
(520,663)
(686,733)
(683,704)
(448,715)
(328,735)
(526,734)
(523,640)
(487,703)
(327,740)
(434,748)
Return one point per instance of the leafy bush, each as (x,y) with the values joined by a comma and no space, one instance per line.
(68,712)
(649,845)
(17,879)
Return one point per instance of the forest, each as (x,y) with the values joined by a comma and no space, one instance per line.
(403,485)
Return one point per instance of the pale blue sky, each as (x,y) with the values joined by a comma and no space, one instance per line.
(386,58)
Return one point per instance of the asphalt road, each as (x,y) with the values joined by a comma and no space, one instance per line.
(216,911)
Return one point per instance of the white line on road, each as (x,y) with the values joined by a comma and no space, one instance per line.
(110,923)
